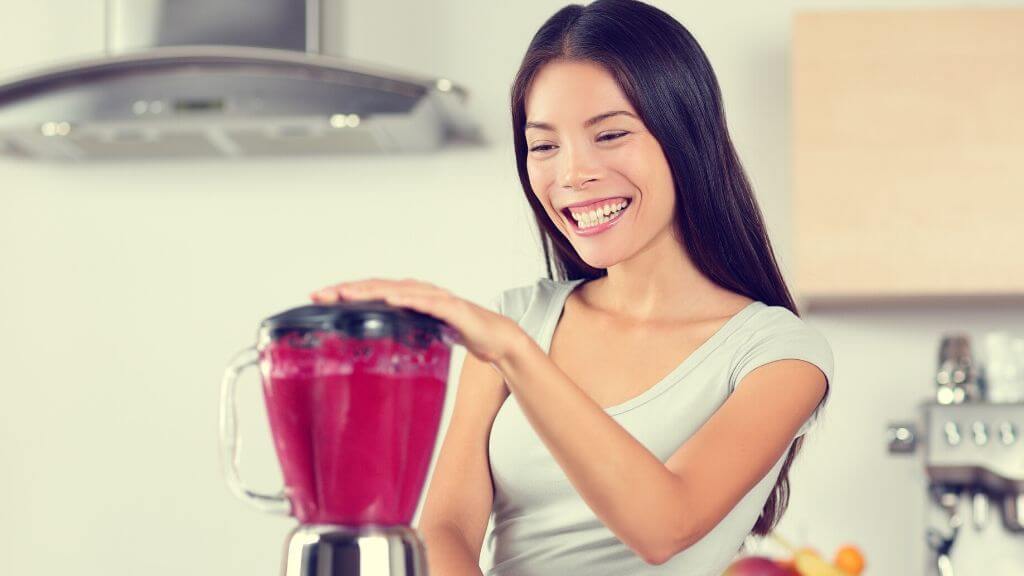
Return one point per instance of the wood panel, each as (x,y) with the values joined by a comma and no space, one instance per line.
(908,153)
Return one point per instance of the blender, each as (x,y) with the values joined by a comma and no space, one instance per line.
(354,393)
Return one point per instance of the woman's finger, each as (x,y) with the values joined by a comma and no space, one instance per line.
(446,309)
(381,289)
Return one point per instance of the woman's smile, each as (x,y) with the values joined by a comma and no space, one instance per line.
(603,217)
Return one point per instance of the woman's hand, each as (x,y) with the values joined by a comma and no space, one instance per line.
(485,334)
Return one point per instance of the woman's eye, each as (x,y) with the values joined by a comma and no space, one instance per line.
(601,138)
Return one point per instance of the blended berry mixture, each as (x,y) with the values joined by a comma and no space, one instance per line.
(354,423)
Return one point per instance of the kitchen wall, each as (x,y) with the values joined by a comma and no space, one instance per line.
(125,289)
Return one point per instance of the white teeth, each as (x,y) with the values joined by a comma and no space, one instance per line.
(598,216)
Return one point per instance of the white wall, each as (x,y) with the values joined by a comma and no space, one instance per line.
(124,290)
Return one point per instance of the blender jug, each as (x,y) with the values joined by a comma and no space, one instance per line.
(354,392)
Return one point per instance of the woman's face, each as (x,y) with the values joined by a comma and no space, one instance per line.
(588,153)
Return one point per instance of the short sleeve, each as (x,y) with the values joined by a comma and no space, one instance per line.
(513,302)
(789,338)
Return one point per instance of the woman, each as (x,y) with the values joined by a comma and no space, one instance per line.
(664,380)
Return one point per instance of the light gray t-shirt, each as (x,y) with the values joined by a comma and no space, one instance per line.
(542,527)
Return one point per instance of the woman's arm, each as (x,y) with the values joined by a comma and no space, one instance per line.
(655,508)
(448,552)
(458,503)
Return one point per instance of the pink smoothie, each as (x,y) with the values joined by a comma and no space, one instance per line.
(354,424)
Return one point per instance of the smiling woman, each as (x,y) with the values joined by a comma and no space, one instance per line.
(573,155)
(667,381)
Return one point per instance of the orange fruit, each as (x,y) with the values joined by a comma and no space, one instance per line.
(849,559)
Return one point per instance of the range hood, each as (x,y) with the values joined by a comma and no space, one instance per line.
(225,78)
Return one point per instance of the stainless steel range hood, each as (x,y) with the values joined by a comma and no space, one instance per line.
(225,78)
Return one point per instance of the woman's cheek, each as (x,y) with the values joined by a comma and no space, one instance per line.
(533,177)
(540,188)
(539,175)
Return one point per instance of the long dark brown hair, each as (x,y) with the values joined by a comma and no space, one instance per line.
(667,78)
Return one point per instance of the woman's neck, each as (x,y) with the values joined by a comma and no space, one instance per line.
(659,283)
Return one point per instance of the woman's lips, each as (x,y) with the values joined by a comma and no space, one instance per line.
(593,230)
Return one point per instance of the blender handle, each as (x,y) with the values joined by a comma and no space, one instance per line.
(229,441)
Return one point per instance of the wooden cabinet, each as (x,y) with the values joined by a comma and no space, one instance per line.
(908,154)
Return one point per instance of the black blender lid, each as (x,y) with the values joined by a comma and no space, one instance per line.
(356,319)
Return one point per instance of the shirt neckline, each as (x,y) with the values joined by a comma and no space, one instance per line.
(557,307)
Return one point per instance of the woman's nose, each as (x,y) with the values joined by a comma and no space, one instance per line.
(578,166)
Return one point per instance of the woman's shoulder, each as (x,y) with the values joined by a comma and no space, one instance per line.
(768,319)
(771,316)
(774,332)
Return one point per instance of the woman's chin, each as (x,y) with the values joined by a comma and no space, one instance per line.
(599,261)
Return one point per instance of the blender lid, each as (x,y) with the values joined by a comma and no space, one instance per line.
(356,319)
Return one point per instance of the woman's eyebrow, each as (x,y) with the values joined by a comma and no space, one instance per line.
(587,124)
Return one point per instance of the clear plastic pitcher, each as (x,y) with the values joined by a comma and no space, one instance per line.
(354,392)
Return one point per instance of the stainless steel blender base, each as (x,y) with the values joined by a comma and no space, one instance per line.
(329,550)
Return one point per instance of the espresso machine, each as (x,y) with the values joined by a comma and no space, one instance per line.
(354,392)
(968,437)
